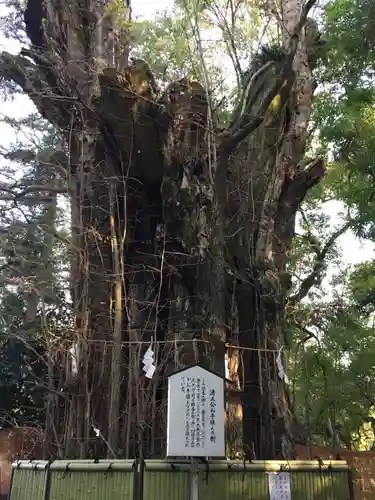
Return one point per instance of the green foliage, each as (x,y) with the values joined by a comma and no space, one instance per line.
(23,367)
(173,43)
(362,286)
(331,368)
(32,298)
(344,108)
(119,14)
(334,344)
(167,44)
(350,26)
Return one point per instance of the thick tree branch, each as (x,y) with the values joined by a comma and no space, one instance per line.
(56,160)
(21,155)
(240,127)
(315,277)
(311,239)
(297,30)
(240,131)
(46,67)
(31,189)
(365,394)
(309,334)
(304,180)
(29,77)
(292,195)
(314,242)
(19,70)
(244,106)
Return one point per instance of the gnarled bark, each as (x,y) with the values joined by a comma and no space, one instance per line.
(175,232)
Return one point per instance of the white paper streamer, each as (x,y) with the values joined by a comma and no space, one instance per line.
(280,366)
(148,363)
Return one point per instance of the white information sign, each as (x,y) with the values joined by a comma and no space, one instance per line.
(195,414)
(279,486)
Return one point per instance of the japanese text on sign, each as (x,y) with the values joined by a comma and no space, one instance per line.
(196,398)
(279,486)
(212,416)
(195,411)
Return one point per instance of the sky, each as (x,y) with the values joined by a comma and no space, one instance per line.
(353,250)
(148,8)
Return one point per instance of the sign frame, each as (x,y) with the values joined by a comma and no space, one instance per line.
(196,413)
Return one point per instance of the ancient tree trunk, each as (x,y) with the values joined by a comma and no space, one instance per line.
(266,185)
(181,231)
